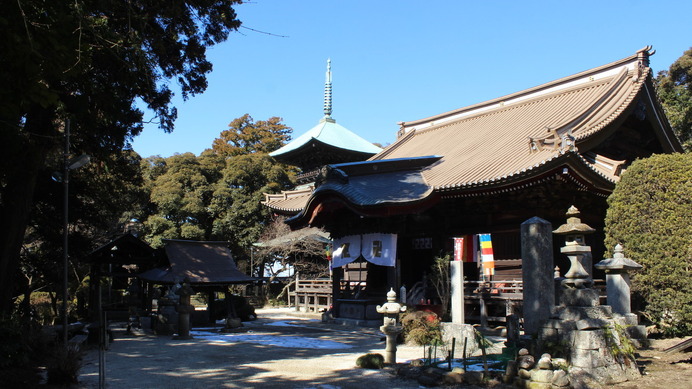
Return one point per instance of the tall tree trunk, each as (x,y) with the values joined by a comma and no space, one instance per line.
(24,159)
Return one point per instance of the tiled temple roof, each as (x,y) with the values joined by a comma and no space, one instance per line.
(511,141)
(507,139)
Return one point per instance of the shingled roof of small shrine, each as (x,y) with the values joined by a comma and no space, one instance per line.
(208,263)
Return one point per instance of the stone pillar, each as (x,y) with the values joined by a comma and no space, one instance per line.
(537,272)
(456,274)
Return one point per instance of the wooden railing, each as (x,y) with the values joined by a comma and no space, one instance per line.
(486,302)
(492,301)
(312,295)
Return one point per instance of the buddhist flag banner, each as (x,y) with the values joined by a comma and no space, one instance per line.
(465,249)
(487,257)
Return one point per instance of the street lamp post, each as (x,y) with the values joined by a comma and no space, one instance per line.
(65,258)
(68,164)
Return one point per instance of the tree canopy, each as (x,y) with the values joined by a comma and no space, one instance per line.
(650,215)
(674,88)
(245,136)
(217,196)
(91,62)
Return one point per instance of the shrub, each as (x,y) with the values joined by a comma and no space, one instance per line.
(650,214)
(13,350)
(421,328)
(370,361)
(64,365)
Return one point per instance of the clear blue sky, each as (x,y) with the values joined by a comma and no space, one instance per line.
(405,60)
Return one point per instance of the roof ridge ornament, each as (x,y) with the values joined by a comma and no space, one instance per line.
(328,91)
(562,140)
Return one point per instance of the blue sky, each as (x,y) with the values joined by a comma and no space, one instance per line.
(405,60)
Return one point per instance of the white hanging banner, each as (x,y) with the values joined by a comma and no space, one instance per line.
(346,250)
(380,249)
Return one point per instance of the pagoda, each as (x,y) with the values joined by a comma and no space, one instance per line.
(326,143)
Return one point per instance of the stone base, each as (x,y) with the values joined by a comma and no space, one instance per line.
(636,332)
(603,376)
(573,297)
(629,319)
(579,313)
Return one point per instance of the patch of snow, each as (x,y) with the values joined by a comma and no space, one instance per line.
(273,340)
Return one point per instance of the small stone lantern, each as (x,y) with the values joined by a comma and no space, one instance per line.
(575,249)
(618,280)
(391,327)
(184,309)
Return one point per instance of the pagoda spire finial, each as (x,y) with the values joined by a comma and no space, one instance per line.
(328,91)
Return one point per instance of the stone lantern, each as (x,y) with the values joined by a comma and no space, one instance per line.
(184,309)
(391,327)
(618,280)
(575,249)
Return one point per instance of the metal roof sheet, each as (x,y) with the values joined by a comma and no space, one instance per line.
(331,133)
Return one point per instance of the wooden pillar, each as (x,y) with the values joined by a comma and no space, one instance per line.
(484,310)
(337,274)
(297,297)
(211,311)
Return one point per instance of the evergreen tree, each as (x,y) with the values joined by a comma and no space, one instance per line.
(90,62)
(217,196)
(650,215)
(245,136)
(674,88)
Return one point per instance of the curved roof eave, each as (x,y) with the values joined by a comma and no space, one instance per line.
(332,196)
(579,170)
(310,145)
(572,160)
(328,132)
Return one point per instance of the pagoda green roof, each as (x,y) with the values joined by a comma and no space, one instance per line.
(329,132)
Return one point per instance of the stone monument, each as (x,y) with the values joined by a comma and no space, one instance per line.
(166,315)
(586,331)
(536,268)
(184,309)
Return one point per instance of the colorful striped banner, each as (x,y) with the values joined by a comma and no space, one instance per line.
(487,257)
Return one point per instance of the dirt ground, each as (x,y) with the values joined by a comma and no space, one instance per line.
(147,361)
(661,369)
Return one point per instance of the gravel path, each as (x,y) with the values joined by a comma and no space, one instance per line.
(282,349)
